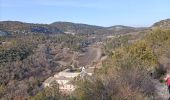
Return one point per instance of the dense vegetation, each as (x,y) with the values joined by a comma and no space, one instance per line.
(10,27)
(133,64)
(27,60)
(128,71)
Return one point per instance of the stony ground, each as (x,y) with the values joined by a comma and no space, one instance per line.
(162,91)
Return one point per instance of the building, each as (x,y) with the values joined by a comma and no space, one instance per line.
(88,71)
(65,84)
(64,79)
(67,73)
(48,82)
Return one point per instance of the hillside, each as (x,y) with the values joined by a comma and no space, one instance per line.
(25,28)
(120,29)
(132,70)
(63,27)
(162,24)
(8,27)
(28,58)
(75,28)
(3,33)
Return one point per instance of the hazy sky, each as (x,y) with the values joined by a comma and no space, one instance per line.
(96,12)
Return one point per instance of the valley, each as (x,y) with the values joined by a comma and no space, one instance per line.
(37,61)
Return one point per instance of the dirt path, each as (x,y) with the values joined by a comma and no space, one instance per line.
(161,90)
(92,54)
(98,53)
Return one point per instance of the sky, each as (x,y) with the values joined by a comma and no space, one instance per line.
(139,13)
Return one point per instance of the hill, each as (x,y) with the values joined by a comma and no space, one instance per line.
(21,27)
(62,27)
(3,33)
(76,28)
(162,24)
(29,57)
(120,29)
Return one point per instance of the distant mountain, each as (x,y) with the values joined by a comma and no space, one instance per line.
(120,29)
(76,28)
(20,27)
(63,27)
(162,24)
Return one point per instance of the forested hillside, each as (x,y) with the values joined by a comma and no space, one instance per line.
(29,55)
(130,71)
(16,27)
(27,60)
(162,24)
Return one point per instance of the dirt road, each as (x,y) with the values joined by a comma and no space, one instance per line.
(92,54)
